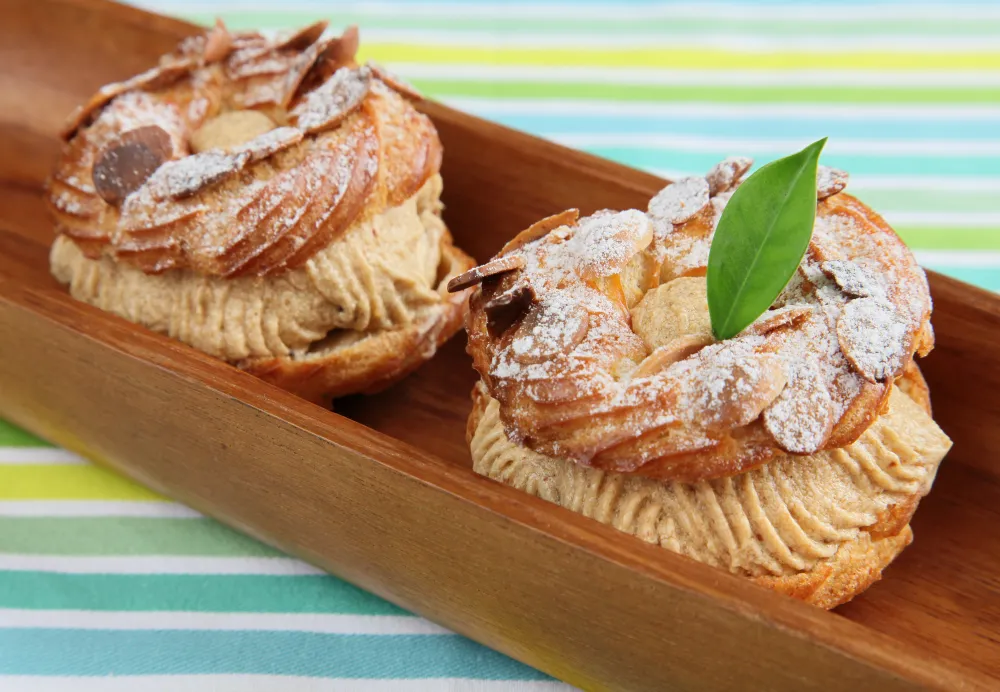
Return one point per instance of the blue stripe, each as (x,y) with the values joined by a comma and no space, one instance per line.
(984,277)
(696,162)
(753,126)
(193,652)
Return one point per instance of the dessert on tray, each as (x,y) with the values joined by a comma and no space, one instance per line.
(268,201)
(793,452)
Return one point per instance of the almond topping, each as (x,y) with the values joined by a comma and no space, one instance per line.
(270,143)
(328,105)
(185,177)
(853,279)
(552,327)
(122,168)
(476,275)
(776,319)
(801,418)
(874,338)
(605,243)
(829,181)
(680,201)
(727,174)
(218,43)
(300,39)
(540,229)
(668,354)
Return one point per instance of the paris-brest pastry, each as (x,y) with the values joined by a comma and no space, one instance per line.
(267,201)
(792,454)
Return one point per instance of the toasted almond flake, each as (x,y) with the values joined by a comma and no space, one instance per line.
(270,143)
(604,244)
(326,106)
(300,39)
(476,275)
(553,326)
(187,176)
(680,201)
(218,43)
(122,167)
(732,393)
(776,319)
(540,229)
(670,353)
(874,337)
(853,279)
(801,419)
(829,181)
(395,82)
(727,174)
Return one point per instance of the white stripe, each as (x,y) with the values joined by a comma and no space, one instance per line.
(724,111)
(744,42)
(947,219)
(958,183)
(157,564)
(959,259)
(670,77)
(726,145)
(323,623)
(752,12)
(96,508)
(39,455)
(266,683)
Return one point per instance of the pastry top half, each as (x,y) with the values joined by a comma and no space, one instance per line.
(240,155)
(593,335)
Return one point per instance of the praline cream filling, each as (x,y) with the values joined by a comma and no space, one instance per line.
(381,274)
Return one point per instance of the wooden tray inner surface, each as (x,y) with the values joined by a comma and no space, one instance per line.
(942,596)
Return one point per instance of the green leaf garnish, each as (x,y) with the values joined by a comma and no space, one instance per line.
(760,240)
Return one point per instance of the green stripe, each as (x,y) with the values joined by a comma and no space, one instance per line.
(125,536)
(666,27)
(944,238)
(868,95)
(188,592)
(12,436)
(916,200)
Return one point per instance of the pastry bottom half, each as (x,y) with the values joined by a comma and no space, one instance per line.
(360,314)
(820,528)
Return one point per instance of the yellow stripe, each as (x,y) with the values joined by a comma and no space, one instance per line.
(67,482)
(676,58)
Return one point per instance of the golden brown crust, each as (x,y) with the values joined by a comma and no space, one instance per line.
(256,208)
(631,398)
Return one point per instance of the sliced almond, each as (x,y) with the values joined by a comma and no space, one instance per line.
(270,143)
(188,176)
(781,317)
(874,338)
(829,181)
(505,308)
(540,229)
(476,275)
(727,174)
(668,354)
(680,201)
(300,39)
(801,419)
(853,279)
(218,43)
(605,243)
(396,83)
(122,168)
(552,327)
(741,390)
(328,105)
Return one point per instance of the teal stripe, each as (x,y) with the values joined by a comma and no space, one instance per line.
(983,277)
(679,27)
(188,592)
(165,652)
(12,436)
(125,536)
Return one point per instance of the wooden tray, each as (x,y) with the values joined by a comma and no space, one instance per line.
(382,494)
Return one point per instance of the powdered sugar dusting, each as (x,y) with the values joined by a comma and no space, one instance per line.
(853,279)
(554,325)
(727,174)
(801,418)
(327,105)
(874,337)
(185,177)
(269,143)
(829,181)
(680,201)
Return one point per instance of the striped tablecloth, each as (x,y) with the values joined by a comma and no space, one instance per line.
(102,581)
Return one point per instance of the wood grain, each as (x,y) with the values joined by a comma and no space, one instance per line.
(382,494)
